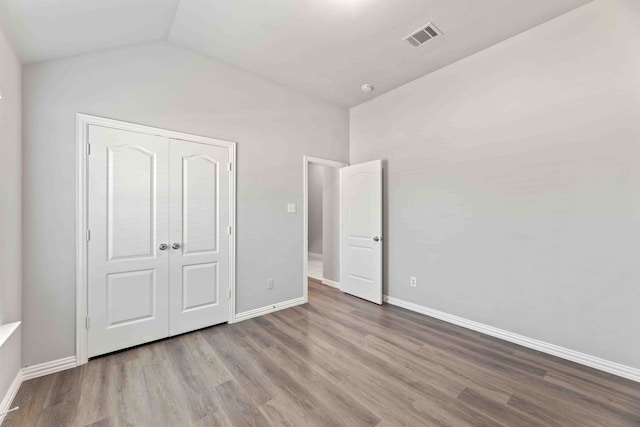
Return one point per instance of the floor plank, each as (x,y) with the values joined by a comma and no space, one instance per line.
(335,361)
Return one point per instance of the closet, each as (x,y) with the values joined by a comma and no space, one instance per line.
(158,230)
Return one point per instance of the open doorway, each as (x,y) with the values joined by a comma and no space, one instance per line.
(318,232)
(350,252)
(321,222)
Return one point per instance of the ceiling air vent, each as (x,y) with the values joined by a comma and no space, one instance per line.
(423,35)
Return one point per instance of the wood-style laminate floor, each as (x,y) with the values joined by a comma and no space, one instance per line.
(335,361)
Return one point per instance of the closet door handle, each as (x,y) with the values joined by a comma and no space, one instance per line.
(163,247)
(176,246)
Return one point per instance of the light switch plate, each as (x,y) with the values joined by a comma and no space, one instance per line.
(291,208)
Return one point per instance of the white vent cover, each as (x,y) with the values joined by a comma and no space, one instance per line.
(423,35)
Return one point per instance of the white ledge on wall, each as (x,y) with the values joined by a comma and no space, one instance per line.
(534,344)
(7,330)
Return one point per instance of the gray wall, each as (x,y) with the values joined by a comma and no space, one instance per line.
(331,224)
(513,183)
(315,184)
(161,85)
(10,211)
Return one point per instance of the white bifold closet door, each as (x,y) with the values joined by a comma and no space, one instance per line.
(158,260)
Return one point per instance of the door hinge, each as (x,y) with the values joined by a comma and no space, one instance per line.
(88,322)
(229,293)
(88,235)
(229,230)
(229,167)
(88,149)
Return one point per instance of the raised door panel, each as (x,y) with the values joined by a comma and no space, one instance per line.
(131,297)
(199,286)
(131,202)
(200,204)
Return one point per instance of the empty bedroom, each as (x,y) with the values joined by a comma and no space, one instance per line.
(319,213)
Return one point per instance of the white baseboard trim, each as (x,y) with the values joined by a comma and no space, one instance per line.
(315,255)
(268,309)
(544,347)
(10,395)
(331,283)
(32,372)
(47,368)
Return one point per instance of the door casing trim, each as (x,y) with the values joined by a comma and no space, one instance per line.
(83,121)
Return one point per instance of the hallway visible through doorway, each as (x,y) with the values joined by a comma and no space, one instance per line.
(315,266)
(322,221)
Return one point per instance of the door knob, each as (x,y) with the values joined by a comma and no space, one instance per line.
(376,239)
(163,247)
(176,246)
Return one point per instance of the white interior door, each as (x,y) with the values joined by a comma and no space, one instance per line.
(199,261)
(361,247)
(128,269)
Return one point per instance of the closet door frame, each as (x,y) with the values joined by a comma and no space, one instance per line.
(83,121)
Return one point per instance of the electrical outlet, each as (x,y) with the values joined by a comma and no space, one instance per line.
(270,284)
(291,208)
(413,282)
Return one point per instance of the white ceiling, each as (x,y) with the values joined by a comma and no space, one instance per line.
(40,30)
(327,48)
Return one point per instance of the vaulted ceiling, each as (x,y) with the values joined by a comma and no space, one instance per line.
(326,48)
